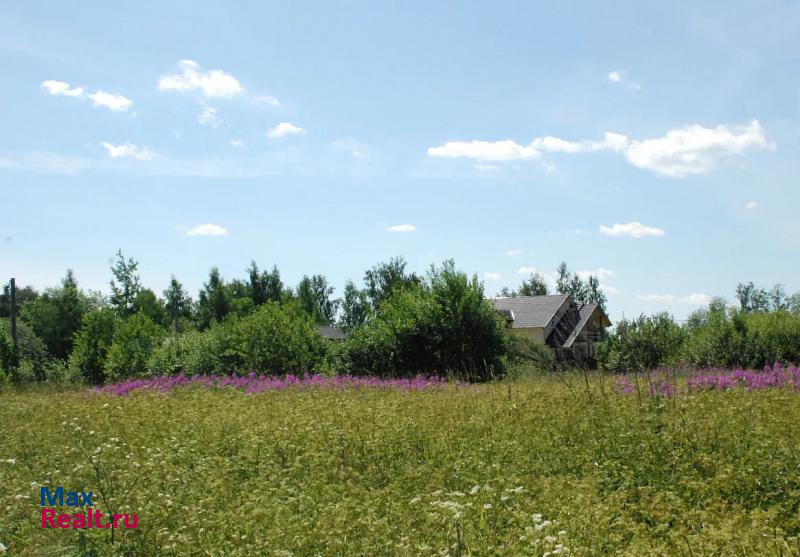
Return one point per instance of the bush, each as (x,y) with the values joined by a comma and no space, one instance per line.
(525,354)
(30,360)
(92,342)
(134,341)
(640,344)
(276,338)
(441,326)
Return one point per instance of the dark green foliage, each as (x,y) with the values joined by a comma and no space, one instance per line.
(264,286)
(148,303)
(525,352)
(356,308)
(178,305)
(134,341)
(641,344)
(56,315)
(384,278)
(443,325)
(213,303)
(533,286)
(315,296)
(582,292)
(125,285)
(92,342)
(23,296)
(279,339)
(30,360)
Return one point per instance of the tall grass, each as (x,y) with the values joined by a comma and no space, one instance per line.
(561,463)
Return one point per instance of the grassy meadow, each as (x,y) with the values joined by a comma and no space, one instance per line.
(542,466)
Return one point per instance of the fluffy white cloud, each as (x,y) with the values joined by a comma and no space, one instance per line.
(207,230)
(668,299)
(283,129)
(128,150)
(62,88)
(209,117)
(402,228)
(694,149)
(680,153)
(608,289)
(114,102)
(528,271)
(485,150)
(614,77)
(632,229)
(601,273)
(751,205)
(514,252)
(213,83)
(493,276)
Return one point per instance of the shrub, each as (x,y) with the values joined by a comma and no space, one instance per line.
(92,342)
(441,326)
(642,343)
(31,358)
(194,352)
(134,341)
(524,352)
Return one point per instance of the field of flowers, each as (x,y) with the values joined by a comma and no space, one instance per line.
(565,464)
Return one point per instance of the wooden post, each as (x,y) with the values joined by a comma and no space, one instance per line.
(13,312)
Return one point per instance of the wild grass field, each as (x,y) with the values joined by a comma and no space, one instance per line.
(549,465)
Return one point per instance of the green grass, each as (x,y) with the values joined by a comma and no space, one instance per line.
(447,472)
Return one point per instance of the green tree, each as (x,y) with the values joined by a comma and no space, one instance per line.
(23,296)
(264,286)
(212,303)
(56,315)
(134,341)
(315,296)
(178,304)
(92,342)
(148,303)
(125,285)
(356,308)
(641,344)
(534,285)
(384,278)
(595,294)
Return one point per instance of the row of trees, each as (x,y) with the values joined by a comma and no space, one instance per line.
(399,323)
(764,328)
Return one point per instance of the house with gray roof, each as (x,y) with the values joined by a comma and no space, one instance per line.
(572,331)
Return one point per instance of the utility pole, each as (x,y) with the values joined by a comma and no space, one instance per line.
(13,313)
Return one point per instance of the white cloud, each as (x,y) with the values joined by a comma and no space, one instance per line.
(514,252)
(694,149)
(668,299)
(608,289)
(267,99)
(283,129)
(493,276)
(209,117)
(751,205)
(207,230)
(528,271)
(484,150)
(128,150)
(236,143)
(679,153)
(601,273)
(618,76)
(62,88)
(402,228)
(213,83)
(114,102)
(632,229)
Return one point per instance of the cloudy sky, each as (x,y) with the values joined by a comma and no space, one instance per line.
(656,147)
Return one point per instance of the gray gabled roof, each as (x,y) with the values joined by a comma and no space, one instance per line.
(585,313)
(531,311)
(332,333)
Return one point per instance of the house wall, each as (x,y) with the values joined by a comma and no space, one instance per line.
(533,333)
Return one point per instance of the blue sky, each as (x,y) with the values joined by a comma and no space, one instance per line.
(653,145)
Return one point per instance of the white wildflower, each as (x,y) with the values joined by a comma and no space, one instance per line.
(11,461)
(487,506)
(550,539)
(2,548)
(474,489)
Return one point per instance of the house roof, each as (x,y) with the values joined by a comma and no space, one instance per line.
(332,333)
(531,311)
